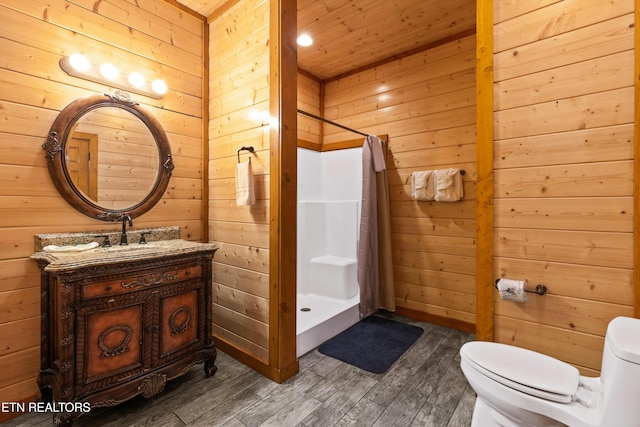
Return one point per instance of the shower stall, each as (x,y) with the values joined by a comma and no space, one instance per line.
(329,198)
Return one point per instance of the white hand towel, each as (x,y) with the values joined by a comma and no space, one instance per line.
(448,185)
(422,186)
(245,195)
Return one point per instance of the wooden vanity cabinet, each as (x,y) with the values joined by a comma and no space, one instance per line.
(113,331)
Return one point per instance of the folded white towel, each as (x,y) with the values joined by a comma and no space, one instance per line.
(244,184)
(448,185)
(422,186)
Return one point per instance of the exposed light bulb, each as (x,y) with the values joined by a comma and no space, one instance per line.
(136,79)
(109,71)
(79,62)
(78,65)
(305,40)
(159,86)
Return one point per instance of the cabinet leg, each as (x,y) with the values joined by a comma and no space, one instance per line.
(210,367)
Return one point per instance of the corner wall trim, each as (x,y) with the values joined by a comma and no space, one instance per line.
(484,170)
(636,164)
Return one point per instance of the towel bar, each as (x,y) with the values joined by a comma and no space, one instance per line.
(249,149)
(540,289)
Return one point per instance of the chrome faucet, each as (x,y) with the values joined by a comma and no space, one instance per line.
(123,236)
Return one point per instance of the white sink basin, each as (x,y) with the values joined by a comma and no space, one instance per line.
(132,247)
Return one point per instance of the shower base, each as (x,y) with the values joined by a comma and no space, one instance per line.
(320,318)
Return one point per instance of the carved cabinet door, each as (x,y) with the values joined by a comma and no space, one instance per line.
(181,319)
(113,343)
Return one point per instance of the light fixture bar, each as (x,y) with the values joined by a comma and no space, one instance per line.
(120,80)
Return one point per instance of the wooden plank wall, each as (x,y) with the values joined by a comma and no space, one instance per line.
(563,171)
(126,156)
(426,104)
(153,36)
(239,106)
(309,100)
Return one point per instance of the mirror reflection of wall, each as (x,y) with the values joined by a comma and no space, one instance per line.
(82,162)
(112,157)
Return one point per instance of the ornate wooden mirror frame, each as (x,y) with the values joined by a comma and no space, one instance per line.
(55,148)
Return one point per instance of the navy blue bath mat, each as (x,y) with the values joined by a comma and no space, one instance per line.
(372,344)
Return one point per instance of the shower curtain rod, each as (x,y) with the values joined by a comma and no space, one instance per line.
(313,116)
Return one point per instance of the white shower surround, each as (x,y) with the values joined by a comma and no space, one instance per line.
(329,199)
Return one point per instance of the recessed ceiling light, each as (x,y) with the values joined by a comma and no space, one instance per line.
(305,40)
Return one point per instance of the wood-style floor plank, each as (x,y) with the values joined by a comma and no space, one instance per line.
(425,387)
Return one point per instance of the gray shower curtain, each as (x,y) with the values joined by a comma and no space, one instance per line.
(375,268)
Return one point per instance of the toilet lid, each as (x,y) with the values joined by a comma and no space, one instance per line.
(524,370)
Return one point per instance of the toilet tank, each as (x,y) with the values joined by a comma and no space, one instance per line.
(623,337)
(620,374)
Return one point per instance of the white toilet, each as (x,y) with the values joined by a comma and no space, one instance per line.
(518,387)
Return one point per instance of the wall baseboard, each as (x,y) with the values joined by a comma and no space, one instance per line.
(438,320)
(277,375)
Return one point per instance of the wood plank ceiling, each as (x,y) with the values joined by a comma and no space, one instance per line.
(353,35)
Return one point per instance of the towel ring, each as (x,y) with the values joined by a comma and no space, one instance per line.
(249,149)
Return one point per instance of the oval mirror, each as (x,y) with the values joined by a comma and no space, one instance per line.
(108,157)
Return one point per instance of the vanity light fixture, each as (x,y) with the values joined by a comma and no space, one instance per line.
(79,62)
(109,71)
(159,86)
(78,65)
(136,79)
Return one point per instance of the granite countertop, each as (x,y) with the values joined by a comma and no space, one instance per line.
(60,261)
(133,235)
(162,242)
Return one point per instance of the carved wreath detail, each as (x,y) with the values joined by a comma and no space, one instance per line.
(178,329)
(120,348)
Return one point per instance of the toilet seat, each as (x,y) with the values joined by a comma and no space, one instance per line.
(524,370)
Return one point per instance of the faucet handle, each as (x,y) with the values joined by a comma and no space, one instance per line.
(143,241)
(105,243)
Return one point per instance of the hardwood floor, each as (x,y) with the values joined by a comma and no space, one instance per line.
(425,387)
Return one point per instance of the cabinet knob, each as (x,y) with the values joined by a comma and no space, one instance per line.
(108,288)
(188,272)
